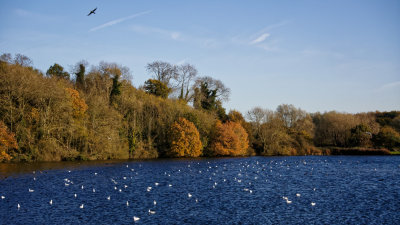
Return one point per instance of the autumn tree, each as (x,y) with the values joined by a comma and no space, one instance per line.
(157,88)
(7,143)
(185,139)
(57,71)
(78,104)
(229,139)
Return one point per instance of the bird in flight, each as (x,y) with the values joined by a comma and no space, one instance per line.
(92,12)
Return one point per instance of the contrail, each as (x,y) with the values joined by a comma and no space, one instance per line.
(113,22)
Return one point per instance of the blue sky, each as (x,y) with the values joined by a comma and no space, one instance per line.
(316,55)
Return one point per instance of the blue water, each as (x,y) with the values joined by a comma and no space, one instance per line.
(345,190)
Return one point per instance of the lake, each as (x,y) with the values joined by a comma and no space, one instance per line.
(255,190)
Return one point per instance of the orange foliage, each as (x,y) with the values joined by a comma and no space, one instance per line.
(7,142)
(230,139)
(185,139)
(78,104)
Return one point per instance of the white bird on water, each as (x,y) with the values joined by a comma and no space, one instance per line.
(18,206)
(81,207)
(75,195)
(189,195)
(127,203)
(135,218)
(51,202)
(313,203)
(2,197)
(31,190)
(152,212)
(298,195)
(108,198)
(154,202)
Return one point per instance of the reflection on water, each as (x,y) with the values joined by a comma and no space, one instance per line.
(15,169)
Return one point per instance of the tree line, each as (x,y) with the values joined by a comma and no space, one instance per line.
(96,113)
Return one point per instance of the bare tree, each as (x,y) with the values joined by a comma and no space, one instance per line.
(162,71)
(22,60)
(186,74)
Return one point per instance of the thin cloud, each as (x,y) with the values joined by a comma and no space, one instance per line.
(389,86)
(114,22)
(175,35)
(260,39)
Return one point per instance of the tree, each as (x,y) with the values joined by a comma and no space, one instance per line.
(78,104)
(80,76)
(22,60)
(290,114)
(209,95)
(162,71)
(185,139)
(115,89)
(7,142)
(229,139)
(57,71)
(186,73)
(387,138)
(360,136)
(157,88)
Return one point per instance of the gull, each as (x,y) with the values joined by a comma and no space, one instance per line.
(82,187)
(313,203)
(156,183)
(125,186)
(34,178)
(31,190)
(2,197)
(108,198)
(124,178)
(92,12)
(51,202)
(81,207)
(149,188)
(127,203)
(75,195)
(18,206)
(136,218)
(94,190)
(169,185)
(66,184)
(298,195)
(95,174)
(288,201)
(152,212)
(189,195)
(154,202)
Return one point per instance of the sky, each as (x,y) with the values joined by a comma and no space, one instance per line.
(341,55)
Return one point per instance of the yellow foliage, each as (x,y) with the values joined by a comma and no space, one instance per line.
(230,139)
(7,142)
(78,104)
(185,139)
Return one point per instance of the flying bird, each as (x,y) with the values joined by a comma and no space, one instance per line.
(92,12)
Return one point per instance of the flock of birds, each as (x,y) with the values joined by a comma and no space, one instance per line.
(241,178)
